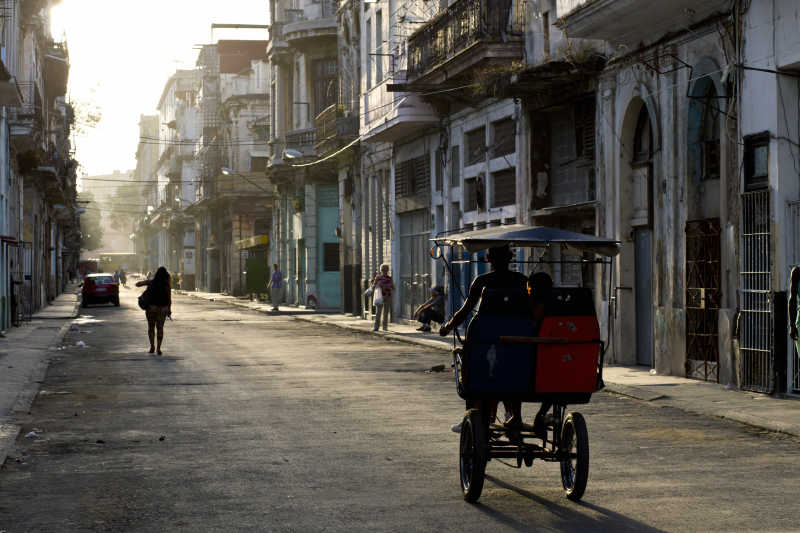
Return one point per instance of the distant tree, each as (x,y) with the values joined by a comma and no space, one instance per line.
(122,209)
(91,222)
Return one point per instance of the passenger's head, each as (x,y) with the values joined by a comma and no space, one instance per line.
(499,257)
(540,286)
(384,269)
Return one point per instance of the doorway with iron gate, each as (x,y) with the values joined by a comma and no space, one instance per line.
(415,260)
(703,297)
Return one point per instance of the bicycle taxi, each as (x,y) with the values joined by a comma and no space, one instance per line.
(505,357)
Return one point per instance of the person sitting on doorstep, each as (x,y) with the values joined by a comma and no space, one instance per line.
(431,311)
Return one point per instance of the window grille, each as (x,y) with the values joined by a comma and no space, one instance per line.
(504,186)
(476,145)
(504,137)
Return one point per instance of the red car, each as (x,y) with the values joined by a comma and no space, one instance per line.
(99,288)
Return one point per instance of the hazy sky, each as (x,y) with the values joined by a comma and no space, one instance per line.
(122,53)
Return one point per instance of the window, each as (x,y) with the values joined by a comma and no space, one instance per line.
(643,140)
(710,135)
(470,194)
(756,162)
(369,54)
(474,194)
(546,33)
(325,83)
(412,177)
(504,137)
(378,46)
(584,129)
(439,169)
(455,166)
(330,256)
(476,145)
(504,187)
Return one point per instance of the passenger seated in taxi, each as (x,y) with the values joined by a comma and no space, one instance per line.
(499,278)
(540,289)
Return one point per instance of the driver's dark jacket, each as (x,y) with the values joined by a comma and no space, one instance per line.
(496,279)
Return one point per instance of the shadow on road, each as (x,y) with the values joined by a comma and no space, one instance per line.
(570,517)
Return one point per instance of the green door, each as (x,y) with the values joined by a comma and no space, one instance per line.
(328,275)
(257,270)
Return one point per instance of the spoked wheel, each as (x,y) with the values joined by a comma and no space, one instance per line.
(575,467)
(473,454)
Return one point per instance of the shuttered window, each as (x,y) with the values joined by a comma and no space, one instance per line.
(504,137)
(455,166)
(412,177)
(504,187)
(584,129)
(476,145)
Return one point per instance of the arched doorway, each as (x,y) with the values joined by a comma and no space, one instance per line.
(641,226)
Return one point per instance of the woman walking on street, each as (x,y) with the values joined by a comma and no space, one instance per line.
(383,281)
(158,305)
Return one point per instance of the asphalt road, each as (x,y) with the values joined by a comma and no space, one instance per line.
(273,424)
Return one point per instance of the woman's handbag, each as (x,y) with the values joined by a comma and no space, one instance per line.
(377,296)
(144,299)
(368,292)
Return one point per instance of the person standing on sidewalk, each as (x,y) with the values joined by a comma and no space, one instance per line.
(275,287)
(794,294)
(158,301)
(383,281)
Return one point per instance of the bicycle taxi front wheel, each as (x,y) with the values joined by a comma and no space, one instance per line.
(574,445)
(473,454)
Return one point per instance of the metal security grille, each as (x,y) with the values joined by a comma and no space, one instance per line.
(793,248)
(703,296)
(756,336)
(415,263)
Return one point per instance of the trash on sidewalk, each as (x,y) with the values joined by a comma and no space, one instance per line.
(653,372)
(161,438)
(33,434)
(80,344)
(437,368)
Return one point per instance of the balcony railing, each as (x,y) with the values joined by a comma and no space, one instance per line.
(300,139)
(333,129)
(461,25)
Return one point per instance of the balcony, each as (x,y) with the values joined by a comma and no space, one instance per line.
(389,116)
(634,21)
(467,35)
(303,28)
(247,184)
(26,121)
(302,140)
(333,129)
(56,59)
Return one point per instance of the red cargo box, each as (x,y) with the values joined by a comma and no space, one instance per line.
(570,367)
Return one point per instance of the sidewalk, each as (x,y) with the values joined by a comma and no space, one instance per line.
(693,396)
(24,355)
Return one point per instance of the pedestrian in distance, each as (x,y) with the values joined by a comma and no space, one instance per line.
(123,278)
(275,287)
(157,304)
(431,311)
(382,301)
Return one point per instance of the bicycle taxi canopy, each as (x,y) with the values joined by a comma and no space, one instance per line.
(520,235)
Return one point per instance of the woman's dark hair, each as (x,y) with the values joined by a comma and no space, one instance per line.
(161,279)
(541,285)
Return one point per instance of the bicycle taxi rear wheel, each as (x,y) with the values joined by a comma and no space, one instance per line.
(575,466)
(473,454)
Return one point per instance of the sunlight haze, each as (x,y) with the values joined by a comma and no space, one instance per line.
(121,55)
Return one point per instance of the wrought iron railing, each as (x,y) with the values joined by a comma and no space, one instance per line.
(461,25)
(300,138)
(325,123)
